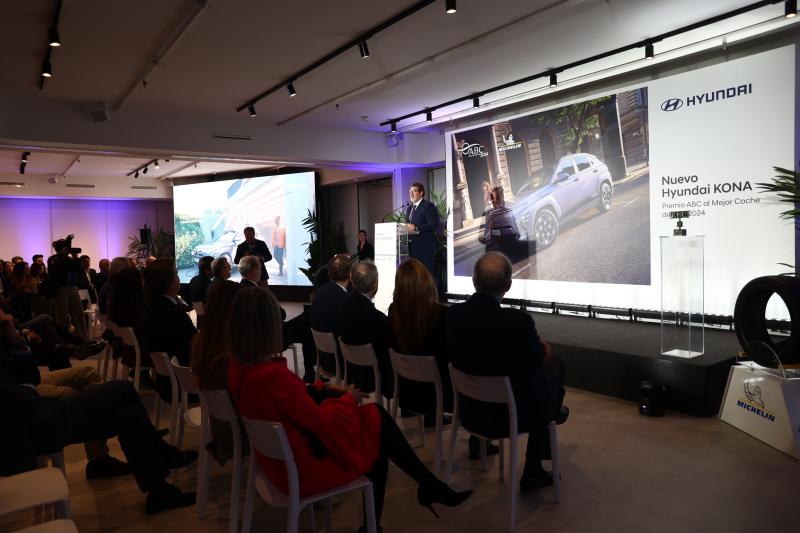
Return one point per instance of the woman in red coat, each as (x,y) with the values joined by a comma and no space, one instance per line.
(333,442)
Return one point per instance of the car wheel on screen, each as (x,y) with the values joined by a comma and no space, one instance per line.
(545,228)
(606,197)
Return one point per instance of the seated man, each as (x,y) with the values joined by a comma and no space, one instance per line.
(363,324)
(199,284)
(34,425)
(326,308)
(250,269)
(488,340)
(220,270)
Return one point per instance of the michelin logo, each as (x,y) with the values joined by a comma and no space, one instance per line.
(755,403)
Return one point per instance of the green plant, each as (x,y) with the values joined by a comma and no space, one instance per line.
(786,186)
(189,234)
(162,246)
(322,244)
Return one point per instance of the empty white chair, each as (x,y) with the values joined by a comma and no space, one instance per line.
(193,416)
(498,390)
(164,368)
(36,488)
(326,343)
(363,355)
(217,403)
(269,439)
(422,369)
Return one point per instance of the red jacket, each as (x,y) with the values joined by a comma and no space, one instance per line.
(349,433)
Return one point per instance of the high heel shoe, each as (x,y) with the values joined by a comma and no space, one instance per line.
(441,493)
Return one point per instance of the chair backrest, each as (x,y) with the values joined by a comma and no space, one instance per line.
(128,337)
(200,308)
(269,439)
(420,368)
(325,341)
(359,354)
(162,364)
(83,294)
(185,377)
(490,389)
(218,404)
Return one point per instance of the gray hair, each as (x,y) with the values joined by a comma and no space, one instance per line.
(248,264)
(117,264)
(364,277)
(218,264)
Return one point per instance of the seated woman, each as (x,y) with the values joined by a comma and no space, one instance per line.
(126,306)
(333,442)
(416,320)
(365,248)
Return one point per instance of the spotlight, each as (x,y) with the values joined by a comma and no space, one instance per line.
(363,49)
(450,6)
(790,9)
(648,51)
(25,157)
(136,174)
(145,170)
(428,116)
(553,79)
(22,168)
(157,165)
(252,110)
(53,37)
(290,88)
(476,101)
(394,127)
(47,69)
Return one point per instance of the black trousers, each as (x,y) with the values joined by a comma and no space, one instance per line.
(108,410)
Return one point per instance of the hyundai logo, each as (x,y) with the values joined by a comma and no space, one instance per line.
(672,104)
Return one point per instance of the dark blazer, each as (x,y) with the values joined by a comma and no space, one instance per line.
(487,340)
(423,246)
(247,283)
(363,324)
(260,249)
(367,252)
(326,315)
(167,329)
(198,286)
(421,397)
(100,280)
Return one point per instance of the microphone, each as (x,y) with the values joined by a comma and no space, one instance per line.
(394,211)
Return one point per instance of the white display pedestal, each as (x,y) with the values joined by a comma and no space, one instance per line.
(391,249)
(764,403)
(682,280)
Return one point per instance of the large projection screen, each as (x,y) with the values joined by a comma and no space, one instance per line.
(698,141)
(210,219)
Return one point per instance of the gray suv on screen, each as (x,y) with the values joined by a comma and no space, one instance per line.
(222,246)
(556,194)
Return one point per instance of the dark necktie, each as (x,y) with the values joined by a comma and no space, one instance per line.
(411,214)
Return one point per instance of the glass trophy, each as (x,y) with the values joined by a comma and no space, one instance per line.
(682,333)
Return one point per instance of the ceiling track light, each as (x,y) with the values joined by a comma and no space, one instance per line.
(363,49)
(252,110)
(553,79)
(53,38)
(450,6)
(136,174)
(145,170)
(47,69)
(25,157)
(156,165)
(429,115)
(790,9)
(476,101)
(394,127)
(648,51)
(290,88)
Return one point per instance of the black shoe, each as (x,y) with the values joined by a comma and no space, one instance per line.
(535,480)
(475,449)
(165,497)
(106,467)
(178,459)
(440,492)
(563,415)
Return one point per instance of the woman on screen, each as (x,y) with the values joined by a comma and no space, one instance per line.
(500,232)
(365,248)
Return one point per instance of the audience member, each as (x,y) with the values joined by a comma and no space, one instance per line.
(16,259)
(365,248)
(488,340)
(417,327)
(117,264)
(221,269)
(363,324)
(126,308)
(333,442)
(102,277)
(198,285)
(250,270)
(89,278)
(65,273)
(326,308)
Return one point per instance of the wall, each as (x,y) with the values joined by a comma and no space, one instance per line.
(101,227)
(374,202)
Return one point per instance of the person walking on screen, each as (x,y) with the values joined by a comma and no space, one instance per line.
(422,216)
(253,246)
(279,243)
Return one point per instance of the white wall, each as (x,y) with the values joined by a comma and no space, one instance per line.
(101,227)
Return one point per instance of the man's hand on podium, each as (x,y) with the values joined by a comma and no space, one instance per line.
(411,227)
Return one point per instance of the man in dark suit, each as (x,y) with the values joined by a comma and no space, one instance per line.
(487,340)
(253,246)
(102,277)
(250,269)
(422,216)
(363,324)
(326,308)
(199,284)
(89,279)
(165,328)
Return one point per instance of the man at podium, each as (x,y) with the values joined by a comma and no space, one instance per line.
(422,217)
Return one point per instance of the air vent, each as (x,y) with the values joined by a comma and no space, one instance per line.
(80,186)
(144,188)
(18,184)
(231,136)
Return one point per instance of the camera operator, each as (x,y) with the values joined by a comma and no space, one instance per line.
(66,270)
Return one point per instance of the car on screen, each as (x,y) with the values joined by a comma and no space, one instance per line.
(556,194)
(222,246)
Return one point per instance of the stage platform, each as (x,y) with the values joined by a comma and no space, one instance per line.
(611,357)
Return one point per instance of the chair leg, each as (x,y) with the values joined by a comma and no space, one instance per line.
(501,460)
(292,519)
(437,449)
(484,455)
(452,447)
(158,410)
(173,420)
(249,498)
(294,354)
(369,511)
(114,369)
(421,430)
(312,516)
(555,463)
(236,483)
(328,516)
(203,474)
(513,483)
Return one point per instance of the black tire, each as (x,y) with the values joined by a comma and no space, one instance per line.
(605,197)
(544,228)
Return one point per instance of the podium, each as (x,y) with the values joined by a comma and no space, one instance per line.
(391,249)
(682,269)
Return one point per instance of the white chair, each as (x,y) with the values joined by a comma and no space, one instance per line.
(363,355)
(164,368)
(193,417)
(217,403)
(326,343)
(269,439)
(498,390)
(128,337)
(293,348)
(45,487)
(421,369)
(104,358)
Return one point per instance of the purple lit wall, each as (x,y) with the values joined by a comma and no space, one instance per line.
(101,227)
